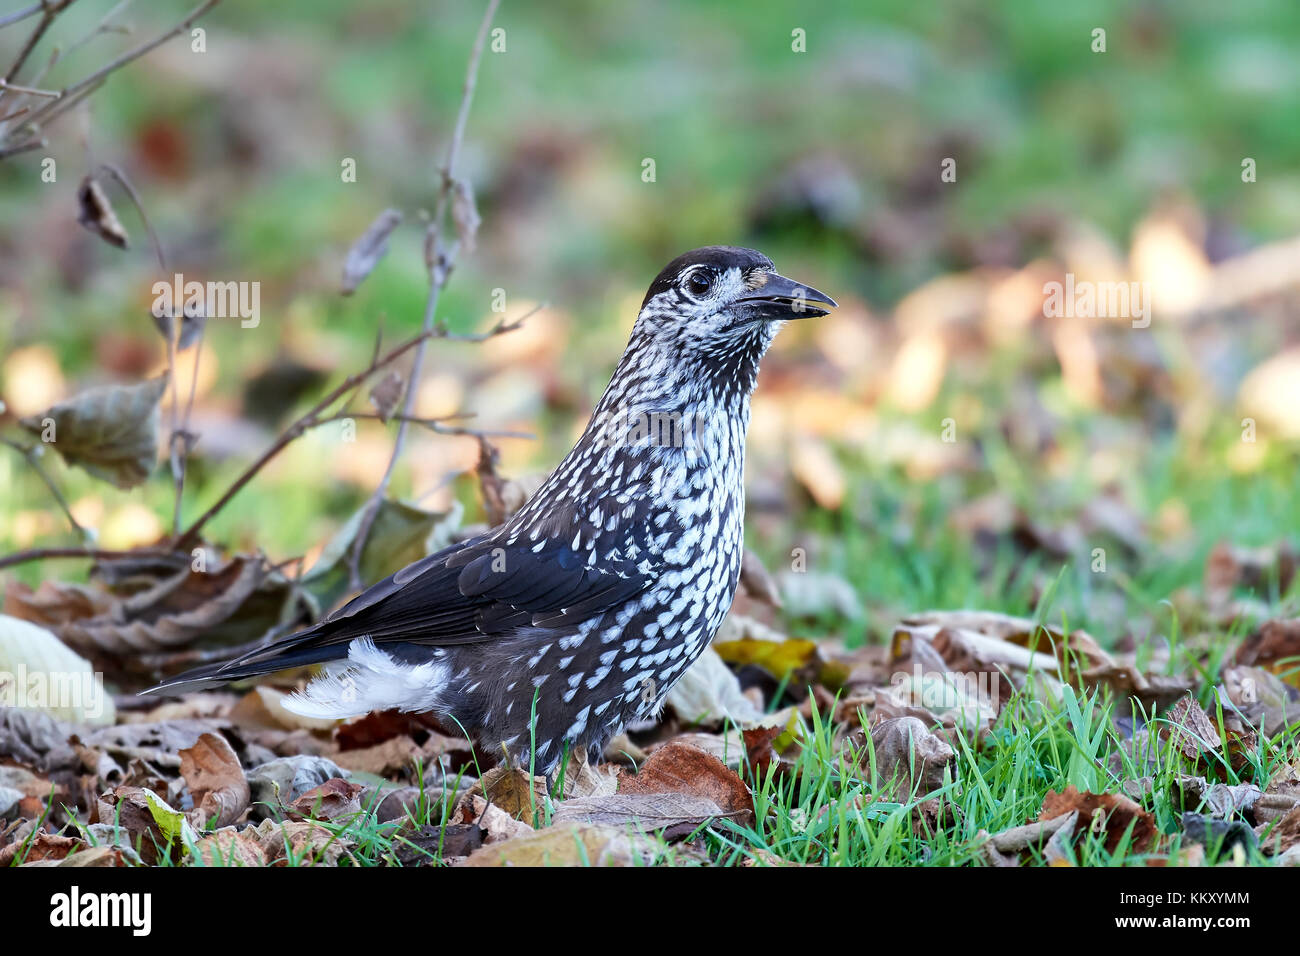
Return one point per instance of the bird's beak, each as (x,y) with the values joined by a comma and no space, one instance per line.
(780,298)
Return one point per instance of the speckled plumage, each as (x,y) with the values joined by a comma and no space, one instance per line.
(589,603)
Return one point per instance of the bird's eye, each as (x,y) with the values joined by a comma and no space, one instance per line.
(699,283)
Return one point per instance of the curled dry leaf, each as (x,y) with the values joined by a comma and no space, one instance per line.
(582,779)
(43,846)
(157,829)
(216,781)
(1107,813)
(367,251)
(385,394)
(1190,729)
(910,761)
(283,780)
(464,213)
(110,431)
(95,212)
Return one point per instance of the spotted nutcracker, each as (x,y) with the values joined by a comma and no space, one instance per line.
(552,632)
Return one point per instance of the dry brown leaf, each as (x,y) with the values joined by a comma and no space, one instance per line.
(676,814)
(1191,730)
(910,761)
(303,841)
(216,780)
(229,847)
(396,755)
(1262,698)
(514,791)
(757,580)
(582,779)
(43,846)
(335,799)
(677,768)
(496,825)
(1275,645)
(570,844)
(385,394)
(1103,812)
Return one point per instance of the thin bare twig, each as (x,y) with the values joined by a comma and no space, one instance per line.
(30,90)
(20,15)
(436,425)
(97,554)
(134,196)
(30,455)
(307,421)
(74,93)
(49,10)
(439,270)
(30,144)
(143,48)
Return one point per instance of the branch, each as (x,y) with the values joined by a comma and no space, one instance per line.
(98,554)
(50,10)
(20,15)
(307,421)
(30,455)
(439,266)
(62,100)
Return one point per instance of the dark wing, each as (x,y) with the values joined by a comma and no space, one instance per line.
(464,594)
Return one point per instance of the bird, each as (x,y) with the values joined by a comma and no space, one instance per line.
(550,634)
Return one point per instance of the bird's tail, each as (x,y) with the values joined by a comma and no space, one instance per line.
(293,652)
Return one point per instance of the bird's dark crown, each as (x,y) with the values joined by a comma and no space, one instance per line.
(716,257)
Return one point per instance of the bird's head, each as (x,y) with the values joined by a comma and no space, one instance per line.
(721,301)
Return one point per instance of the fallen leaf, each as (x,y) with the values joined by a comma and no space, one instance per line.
(37,672)
(514,791)
(677,814)
(335,799)
(909,760)
(1107,813)
(228,847)
(216,780)
(571,844)
(1274,645)
(677,768)
(709,695)
(300,842)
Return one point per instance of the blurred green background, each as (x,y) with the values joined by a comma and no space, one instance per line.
(1126,163)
